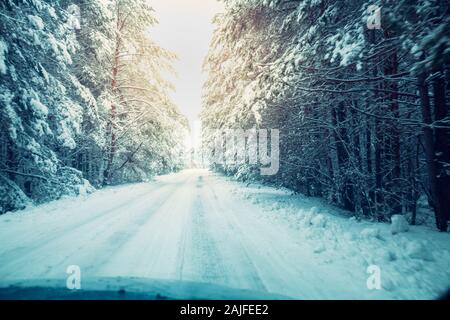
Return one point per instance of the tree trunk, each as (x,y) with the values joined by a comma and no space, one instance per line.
(430,152)
(341,140)
(393,135)
(442,151)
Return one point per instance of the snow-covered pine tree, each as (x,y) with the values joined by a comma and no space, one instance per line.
(42,105)
(145,131)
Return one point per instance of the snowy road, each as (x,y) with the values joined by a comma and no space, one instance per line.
(190,226)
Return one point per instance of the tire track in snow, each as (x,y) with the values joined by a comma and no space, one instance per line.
(64,246)
(204,253)
(238,268)
(145,215)
(114,241)
(276,271)
(154,251)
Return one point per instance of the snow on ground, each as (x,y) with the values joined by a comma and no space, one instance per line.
(200,228)
(414,260)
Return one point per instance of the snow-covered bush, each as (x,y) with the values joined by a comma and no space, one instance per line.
(399,224)
(11,197)
(319,221)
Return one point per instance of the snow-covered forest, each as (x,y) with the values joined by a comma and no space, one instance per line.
(84,102)
(309,160)
(360,92)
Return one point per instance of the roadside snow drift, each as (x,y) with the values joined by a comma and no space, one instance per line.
(199,228)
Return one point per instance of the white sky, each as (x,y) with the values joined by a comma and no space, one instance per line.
(185,27)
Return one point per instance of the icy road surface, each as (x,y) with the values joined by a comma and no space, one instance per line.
(197,226)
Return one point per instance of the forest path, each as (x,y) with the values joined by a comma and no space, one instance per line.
(189,226)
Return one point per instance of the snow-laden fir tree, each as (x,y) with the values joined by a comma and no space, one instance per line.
(82,99)
(362,112)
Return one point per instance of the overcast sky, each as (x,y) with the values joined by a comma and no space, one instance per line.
(185,27)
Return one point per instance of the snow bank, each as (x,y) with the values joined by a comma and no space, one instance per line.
(370,233)
(413,265)
(85,188)
(319,221)
(418,250)
(320,248)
